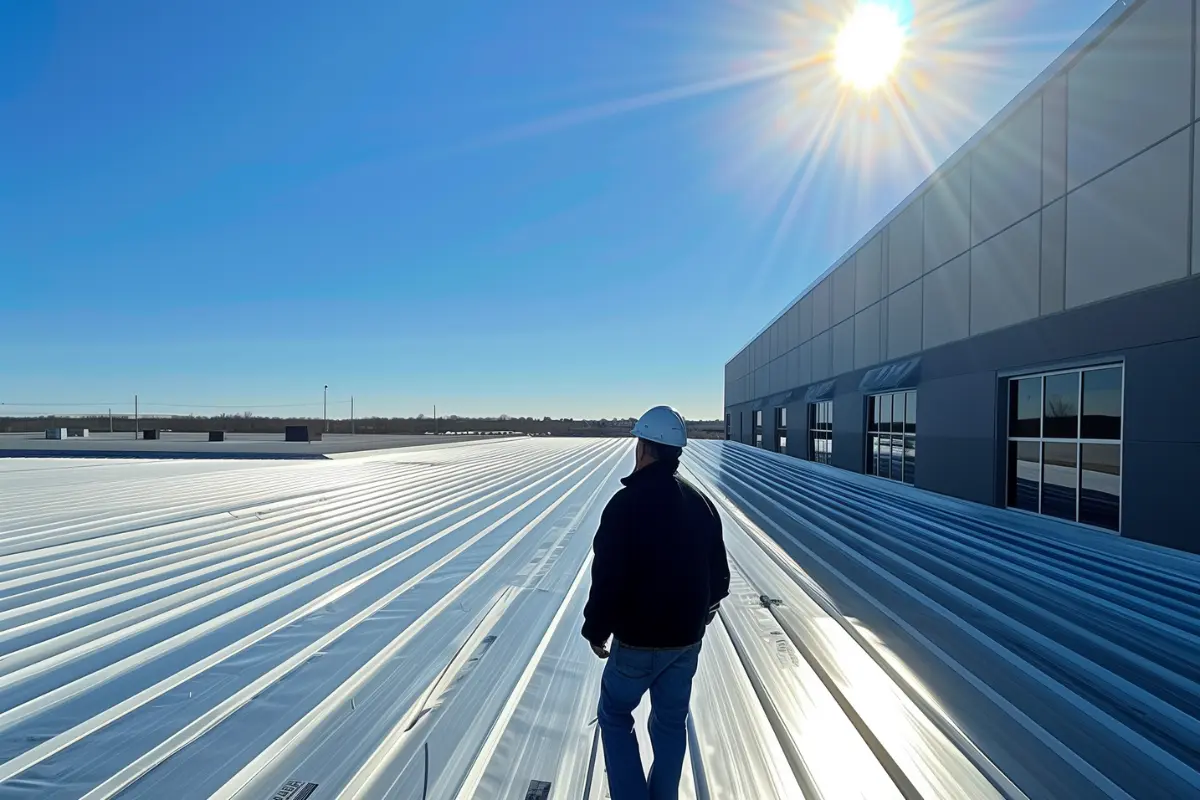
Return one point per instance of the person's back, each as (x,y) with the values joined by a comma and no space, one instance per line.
(662,539)
(659,572)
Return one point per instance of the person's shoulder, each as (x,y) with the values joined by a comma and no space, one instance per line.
(694,492)
(619,500)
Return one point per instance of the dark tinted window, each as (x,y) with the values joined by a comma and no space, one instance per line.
(1059,479)
(1100,478)
(910,412)
(1101,404)
(1023,475)
(885,412)
(910,458)
(1062,406)
(1025,408)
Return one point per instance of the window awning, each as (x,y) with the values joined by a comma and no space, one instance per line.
(775,400)
(820,391)
(897,375)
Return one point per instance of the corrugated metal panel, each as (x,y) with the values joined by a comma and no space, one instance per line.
(218,629)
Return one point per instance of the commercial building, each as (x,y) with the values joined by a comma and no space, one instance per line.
(1024,329)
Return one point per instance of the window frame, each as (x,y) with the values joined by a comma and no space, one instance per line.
(1080,370)
(781,430)
(820,429)
(904,435)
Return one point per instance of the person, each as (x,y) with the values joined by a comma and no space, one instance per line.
(658,576)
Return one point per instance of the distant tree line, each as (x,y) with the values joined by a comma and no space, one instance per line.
(250,423)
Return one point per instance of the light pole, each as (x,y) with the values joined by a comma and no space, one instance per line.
(325,409)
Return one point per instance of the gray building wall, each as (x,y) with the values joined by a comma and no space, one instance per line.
(1067,223)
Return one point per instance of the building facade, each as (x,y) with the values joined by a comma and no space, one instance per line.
(1024,330)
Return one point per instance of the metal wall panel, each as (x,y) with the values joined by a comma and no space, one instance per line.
(1151,510)
(822,305)
(1054,257)
(806,318)
(843,291)
(1195,206)
(948,217)
(1131,91)
(868,273)
(1156,381)
(946,314)
(905,249)
(1129,229)
(883,328)
(904,321)
(1006,183)
(793,368)
(866,337)
(791,327)
(822,356)
(1005,277)
(843,347)
(1054,139)
(806,363)
(956,447)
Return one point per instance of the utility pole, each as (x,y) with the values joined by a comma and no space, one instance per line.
(110,425)
(351,415)
(136,427)
(325,409)
(435,419)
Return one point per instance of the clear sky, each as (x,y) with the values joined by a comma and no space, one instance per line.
(529,207)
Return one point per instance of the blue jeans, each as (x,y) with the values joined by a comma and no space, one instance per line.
(629,674)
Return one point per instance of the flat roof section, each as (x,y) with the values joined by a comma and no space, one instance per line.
(196,445)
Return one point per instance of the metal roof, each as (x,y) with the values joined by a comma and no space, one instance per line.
(406,625)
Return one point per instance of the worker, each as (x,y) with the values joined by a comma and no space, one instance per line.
(658,577)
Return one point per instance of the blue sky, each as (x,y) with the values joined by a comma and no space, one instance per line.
(526,207)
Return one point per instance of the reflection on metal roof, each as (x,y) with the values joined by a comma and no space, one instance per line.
(406,625)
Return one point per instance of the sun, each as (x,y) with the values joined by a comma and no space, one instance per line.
(869,46)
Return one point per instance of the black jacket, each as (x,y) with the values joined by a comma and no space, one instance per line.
(660,563)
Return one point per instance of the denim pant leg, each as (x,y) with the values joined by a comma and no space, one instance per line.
(670,696)
(627,676)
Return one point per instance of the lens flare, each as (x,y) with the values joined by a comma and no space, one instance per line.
(869,47)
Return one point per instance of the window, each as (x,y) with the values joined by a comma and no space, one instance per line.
(781,430)
(892,436)
(758,429)
(728,427)
(820,432)
(1064,445)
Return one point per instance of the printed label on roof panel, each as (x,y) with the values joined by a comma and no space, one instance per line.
(294,790)
(538,790)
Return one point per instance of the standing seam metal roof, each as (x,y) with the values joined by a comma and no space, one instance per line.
(376,626)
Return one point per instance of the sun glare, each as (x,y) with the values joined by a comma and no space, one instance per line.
(869,46)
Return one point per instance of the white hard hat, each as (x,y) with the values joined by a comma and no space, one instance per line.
(664,425)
